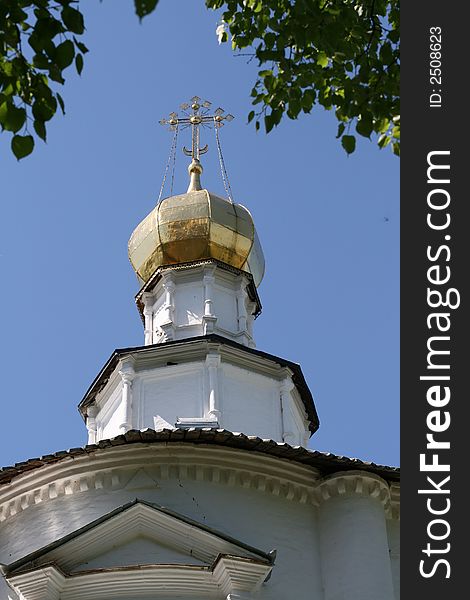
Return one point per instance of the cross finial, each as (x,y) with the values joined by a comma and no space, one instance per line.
(196,114)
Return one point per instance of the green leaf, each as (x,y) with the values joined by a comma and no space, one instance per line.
(47,27)
(349,143)
(341,128)
(322,59)
(8,90)
(73,19)
(79,63)
(44,108)
(382,125)
(272,119)
(55,74)
(384,140)
(81,46)
(61,102)
(308,100)
(64,54)
(7,68)
(22,145)
(251,116)
(41,61)
(36,42)
(145,7)
(268,122)
(17,14)
(12,118)
(294,108)
(364,126)
(10,33)
(40,129)
(3,111)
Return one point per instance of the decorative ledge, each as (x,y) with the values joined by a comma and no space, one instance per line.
(353,483)
(227,577)
(213,455)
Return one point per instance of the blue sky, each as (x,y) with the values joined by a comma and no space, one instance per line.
(328,223)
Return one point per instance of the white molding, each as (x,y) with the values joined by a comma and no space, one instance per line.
(395,500)
(111,469)
(349,483)
(161,581)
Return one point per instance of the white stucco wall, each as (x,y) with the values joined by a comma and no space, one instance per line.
(111,414)
(250,403)
(171,392)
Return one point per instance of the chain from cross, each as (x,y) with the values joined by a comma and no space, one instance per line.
(198,117)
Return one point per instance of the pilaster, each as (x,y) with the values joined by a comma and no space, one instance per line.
(127,374)
(208,319)
(212,364)
(91,414)
(288,434)
(168,326)
(148,300)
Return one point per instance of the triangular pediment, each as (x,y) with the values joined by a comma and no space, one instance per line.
(134,534)
(139,550)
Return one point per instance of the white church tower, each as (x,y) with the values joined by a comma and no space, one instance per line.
(199,261)
(196,482)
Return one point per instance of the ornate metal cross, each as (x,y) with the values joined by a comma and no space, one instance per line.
(198,117)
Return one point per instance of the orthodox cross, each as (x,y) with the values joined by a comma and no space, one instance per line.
(199,116)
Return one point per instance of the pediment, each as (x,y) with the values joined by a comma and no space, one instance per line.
(140,550)
(172,538)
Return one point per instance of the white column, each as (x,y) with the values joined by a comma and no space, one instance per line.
(241,304)
(212,363)
(127,374)
(353,536)
(249,324)
(287,430)
(208,318)
(169,326)
(148,300)
(92,411)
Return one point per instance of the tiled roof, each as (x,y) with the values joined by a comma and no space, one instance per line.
(324,461)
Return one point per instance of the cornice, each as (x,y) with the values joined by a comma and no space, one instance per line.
(115,468)
(228,574)
(353,483)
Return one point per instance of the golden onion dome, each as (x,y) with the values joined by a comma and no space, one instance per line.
(195,226)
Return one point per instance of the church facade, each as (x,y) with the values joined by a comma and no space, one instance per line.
(196,481)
